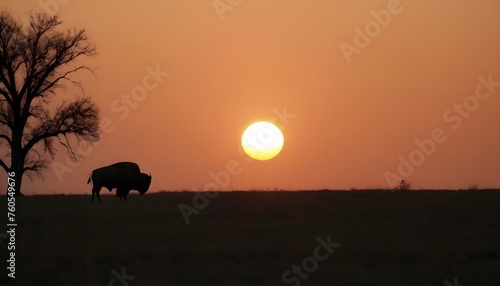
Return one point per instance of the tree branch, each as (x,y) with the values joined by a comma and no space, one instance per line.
(6,138)
(79,118)
(7,169)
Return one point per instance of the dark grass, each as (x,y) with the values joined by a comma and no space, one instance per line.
(251,238)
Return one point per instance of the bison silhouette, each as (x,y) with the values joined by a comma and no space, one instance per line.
(124,176)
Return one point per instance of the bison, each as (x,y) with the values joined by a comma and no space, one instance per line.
(124,176)
(123,192)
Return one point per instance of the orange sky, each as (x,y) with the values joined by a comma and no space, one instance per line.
(353,116)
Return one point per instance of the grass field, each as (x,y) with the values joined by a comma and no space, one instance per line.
(252,238)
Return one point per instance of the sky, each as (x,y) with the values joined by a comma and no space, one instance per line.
(364,92)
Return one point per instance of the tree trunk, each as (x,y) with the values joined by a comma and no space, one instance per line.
(17,167)
(17,163)
(19,178)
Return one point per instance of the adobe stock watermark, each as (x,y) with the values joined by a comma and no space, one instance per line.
(122,107)
(363,37)
(50,7)
(455,116)
(122,278)
(311,263)
(222,179)
(223,6)
(455,282)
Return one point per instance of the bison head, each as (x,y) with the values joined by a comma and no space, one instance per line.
(144,182)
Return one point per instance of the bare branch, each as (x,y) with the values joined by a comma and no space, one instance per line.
(6,138)
(34,164)
(2,163)
(36,167)
(79,118)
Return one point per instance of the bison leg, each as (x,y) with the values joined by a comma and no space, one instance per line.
(121,193)
(96,190)
(93,192)
(125,193)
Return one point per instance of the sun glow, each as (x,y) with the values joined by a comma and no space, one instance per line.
(262,141)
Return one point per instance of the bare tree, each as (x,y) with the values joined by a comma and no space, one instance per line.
(35,62)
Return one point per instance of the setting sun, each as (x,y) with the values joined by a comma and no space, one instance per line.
(262,141)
